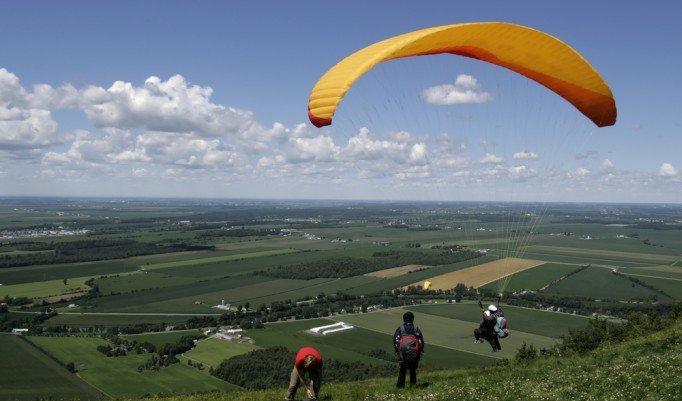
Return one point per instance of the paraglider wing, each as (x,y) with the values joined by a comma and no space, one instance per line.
(527,51)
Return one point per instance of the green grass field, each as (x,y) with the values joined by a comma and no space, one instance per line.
(544,323)
(26,373)
(213,351)
(249,265)
(672,287)
(218,259)
(43,289)
(118,376)
(532,279)
(355,344)
(600,283)
(446,332)
(141,280)
(29,274)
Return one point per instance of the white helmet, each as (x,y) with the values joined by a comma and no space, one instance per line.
(486,313)
(492,308)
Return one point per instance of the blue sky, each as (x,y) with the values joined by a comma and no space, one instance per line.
(77,115)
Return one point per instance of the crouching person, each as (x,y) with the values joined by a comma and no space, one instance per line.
(309,361)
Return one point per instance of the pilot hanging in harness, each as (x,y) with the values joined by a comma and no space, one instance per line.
(493,326)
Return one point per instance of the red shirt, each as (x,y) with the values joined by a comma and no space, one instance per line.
(305,351)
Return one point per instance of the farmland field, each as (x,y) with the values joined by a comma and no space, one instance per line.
(187,262)
(670,286)
(43,289)
(118,377)
(213,351)
(534,278)
(604,254)
(26,374)
(216,259)
(601,283)
(395,271)
(481,274)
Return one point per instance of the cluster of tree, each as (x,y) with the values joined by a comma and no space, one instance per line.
(120,347)
(197,365)
(155,363)
(184,344)
(347,266)
(166,354)
(271,367)
(90,250)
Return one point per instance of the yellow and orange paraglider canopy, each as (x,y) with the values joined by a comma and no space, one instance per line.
(529,52)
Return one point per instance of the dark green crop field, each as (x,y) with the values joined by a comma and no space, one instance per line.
(26,373)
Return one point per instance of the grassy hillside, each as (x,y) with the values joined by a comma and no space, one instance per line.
(646,368)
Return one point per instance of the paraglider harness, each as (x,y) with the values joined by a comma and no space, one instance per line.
(409,348)
(500,321)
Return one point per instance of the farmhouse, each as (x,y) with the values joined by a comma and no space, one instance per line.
(19,331)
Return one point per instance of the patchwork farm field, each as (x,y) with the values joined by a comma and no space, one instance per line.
(27,374)
(118,377)
(187,262)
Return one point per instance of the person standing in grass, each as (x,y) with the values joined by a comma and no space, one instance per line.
(408,343)
(308,360)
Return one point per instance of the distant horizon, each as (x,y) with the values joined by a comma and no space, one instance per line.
(416,201)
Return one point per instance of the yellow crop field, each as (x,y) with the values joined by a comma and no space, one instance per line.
(480,275)
(395,271)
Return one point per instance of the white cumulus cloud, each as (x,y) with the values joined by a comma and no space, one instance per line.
(464,91)
(667,170)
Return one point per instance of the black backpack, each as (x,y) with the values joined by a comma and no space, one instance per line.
(408,347)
